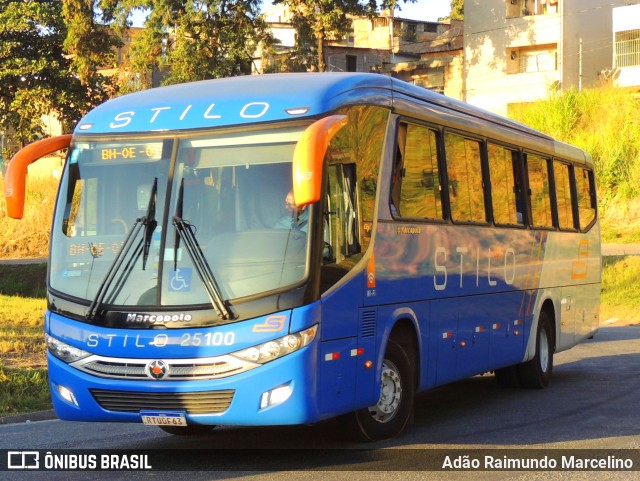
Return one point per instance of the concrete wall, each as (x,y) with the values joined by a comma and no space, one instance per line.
(591,21)
(627,19)
(489,39)
(496,32)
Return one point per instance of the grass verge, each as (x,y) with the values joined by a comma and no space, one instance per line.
(620,295)
(24,386)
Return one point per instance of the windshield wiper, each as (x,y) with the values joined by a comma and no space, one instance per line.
(115,267)
(149,223)
(184,232)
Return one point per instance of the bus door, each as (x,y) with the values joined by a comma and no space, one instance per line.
(345,340)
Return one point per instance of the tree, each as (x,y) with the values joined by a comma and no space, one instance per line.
(37,76)
(330,18)
(457,10)
(90,43)
(324,19)
(197,40)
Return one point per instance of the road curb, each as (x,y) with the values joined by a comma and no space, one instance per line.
(29,417)
(20,261)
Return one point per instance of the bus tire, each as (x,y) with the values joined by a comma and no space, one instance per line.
(536,373)
(191,430)
(507,377)
(390,415)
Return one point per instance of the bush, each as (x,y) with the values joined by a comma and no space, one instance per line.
(29,237)
(601,121)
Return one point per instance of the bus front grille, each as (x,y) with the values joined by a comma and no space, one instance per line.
(206,402)
(176,369)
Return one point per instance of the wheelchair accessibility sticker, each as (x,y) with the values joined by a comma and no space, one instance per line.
(180,279)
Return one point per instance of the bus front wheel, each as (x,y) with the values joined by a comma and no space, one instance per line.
(389,416)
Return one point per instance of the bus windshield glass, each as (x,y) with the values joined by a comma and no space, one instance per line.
(122,204)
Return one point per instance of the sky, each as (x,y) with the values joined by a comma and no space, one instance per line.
(429,10)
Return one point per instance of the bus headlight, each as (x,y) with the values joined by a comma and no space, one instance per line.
(64,351)
(271,350)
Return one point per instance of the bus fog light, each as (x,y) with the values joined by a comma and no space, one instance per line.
(276,396)
(67,395)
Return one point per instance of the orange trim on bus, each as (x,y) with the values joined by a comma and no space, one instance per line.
(16,177)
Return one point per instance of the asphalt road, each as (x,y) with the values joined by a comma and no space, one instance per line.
(592,403)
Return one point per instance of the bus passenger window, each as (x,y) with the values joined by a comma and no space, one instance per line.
(464,168)
(562,177)
(585,186)
(539,191)
(505,189)
(419,178)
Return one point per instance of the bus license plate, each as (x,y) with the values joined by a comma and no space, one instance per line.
(163,419)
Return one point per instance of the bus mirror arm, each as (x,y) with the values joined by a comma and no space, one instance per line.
(16,177)
(308,158)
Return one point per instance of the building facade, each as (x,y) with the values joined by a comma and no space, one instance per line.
(626,47)
(519,50)
(439,66)
(429,54)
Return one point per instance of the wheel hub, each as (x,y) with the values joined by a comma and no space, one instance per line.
(544,351)
(390,394)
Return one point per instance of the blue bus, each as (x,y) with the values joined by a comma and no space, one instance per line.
(285,249)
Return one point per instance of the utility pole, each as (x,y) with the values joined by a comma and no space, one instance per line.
(391,33)
(580,67)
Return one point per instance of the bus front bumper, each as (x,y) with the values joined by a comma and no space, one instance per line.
(277,393)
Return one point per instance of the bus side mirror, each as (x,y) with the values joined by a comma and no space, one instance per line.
(308,158)
(16,176)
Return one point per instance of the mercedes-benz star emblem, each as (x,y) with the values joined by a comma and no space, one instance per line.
(157,370)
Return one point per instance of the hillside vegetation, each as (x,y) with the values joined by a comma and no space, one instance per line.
(605,123)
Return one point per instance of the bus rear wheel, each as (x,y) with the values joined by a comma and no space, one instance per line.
(191,430)
(508,376)
(536,373)
(389,416)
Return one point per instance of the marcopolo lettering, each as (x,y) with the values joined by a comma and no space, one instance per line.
(155,318)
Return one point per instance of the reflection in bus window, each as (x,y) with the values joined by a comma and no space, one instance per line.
(585,187)
(419,178)
(464,168)
(539,191)
(562,177)
(361,142)
(505,190)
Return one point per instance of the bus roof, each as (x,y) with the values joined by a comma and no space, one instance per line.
(262,98)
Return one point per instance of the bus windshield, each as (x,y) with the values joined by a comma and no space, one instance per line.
(123,203)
